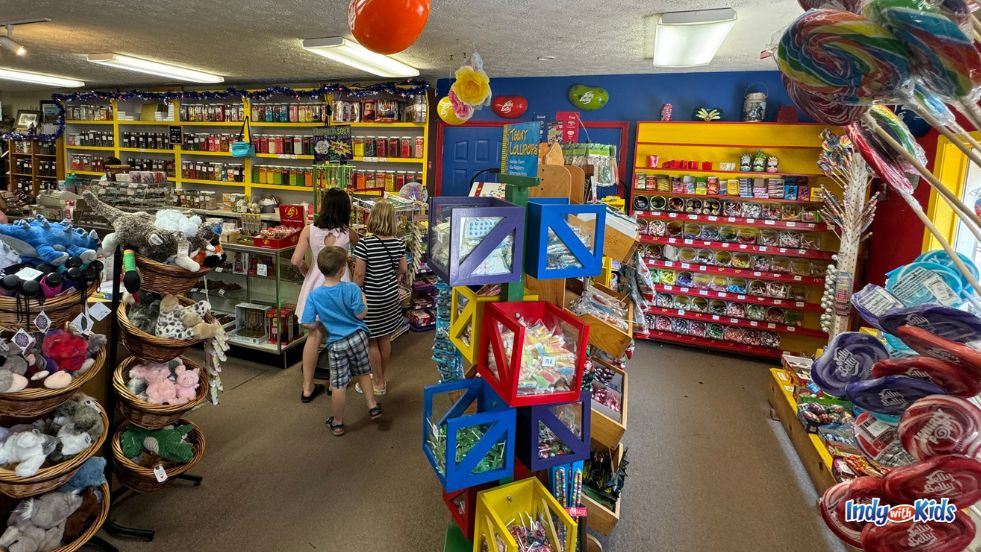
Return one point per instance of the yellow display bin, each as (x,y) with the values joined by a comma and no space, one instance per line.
(466,319)
(497,507)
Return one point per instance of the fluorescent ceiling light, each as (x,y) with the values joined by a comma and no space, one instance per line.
(351,53)
(38,78)
(153,68)
(691,38)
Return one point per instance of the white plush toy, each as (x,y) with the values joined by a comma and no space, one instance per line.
(27,449)
(173,220)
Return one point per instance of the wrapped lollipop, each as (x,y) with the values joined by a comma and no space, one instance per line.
(951,476)
(889,395)
(926,343)
(848,358)
(832,505)
(940,424)
(934,536)
(945,322)
(854,6)
(880,441)
(954,379)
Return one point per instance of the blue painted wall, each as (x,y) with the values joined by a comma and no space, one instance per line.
(637,97)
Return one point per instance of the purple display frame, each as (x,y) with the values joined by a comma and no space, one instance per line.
(526,443)
(512,221)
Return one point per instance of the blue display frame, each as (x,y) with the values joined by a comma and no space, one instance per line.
(546,214)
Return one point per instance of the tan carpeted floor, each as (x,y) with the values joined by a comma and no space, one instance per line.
(709,471)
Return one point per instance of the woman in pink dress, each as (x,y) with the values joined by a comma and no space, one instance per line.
(332,227)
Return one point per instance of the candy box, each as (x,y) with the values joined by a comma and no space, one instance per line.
(476,240)
(462,505)
(532,352)
(554,434)
(511,507)
(468,433)
(467,316)
(564,240)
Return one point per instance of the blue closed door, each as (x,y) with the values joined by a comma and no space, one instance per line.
(467,150)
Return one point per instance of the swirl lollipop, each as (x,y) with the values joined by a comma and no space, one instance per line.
(843,55)
(950,476)
(926,343)
(821,108)
(848,358)
(891,394)
(854,6)
(832,504)
(938,425)
(956,380)
(946,322)
(933,536)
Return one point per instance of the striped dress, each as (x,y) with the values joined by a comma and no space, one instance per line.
(381,283)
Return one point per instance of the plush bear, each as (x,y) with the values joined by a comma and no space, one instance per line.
(187,382)
(37,524)
(27,449)
(180,322)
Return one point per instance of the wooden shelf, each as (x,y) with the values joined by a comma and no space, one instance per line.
(730,321)
(283,187)
(212,182)
(737,272)
(686,172)
(22,175)
(92,122)
(47,176)
(740,298)
(740,247)
(208,153)
(739,348)
(720,197)
(813,453)
(285,125)
(93,148)
(738,221)
(747,146)
(384,125)
(285,156)
(412,160)
(147,150)
(212,123)
(149,123)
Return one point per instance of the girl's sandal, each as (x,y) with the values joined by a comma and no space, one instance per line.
(335,428)
(375,413)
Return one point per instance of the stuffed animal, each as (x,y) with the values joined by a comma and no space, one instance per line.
(137,229)
(71,441)
(211,254)
(184,322)
(170,444)
(82,519)
(39,236)
(172,220)
(91,474)
(8,257)
(12,382)
(63,237)
(27,449)
(83,412)
(187,382)
(65,351)
(144,312)
(37,524)
(96,343)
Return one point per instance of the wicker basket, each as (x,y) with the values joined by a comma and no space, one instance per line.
(51,477)
(94,528)
(35,401)
(151,347)
(153,416)
(166,278)
(60,309)
(141,479)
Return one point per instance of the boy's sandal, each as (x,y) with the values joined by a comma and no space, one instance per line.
(379,390)
(376,412)
(318,388)
(335,428)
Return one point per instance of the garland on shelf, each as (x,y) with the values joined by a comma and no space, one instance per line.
(405,89)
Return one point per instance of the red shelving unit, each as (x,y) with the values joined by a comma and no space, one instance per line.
(733,197)
(740,247)
(730,321)
(738,221)
(737,272)
(685,172)
(748,299)
(727,346)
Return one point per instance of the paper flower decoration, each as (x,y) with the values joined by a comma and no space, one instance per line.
(707,114)
(472,86)
(460,108)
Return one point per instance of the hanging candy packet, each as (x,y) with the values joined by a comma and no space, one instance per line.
(880,441)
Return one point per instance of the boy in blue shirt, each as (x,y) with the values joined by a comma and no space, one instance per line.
(340,307)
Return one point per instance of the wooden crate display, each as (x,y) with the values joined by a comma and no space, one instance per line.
(554,434)
(476,240)
(530,344)
(599,517)
(605,336)
(607,426)
(497,507)
(466,319)
(469,411)
(564,240)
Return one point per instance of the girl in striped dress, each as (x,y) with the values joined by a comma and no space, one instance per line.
(379,262)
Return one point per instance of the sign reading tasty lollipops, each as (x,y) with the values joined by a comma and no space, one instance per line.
(470,91)
(387,26)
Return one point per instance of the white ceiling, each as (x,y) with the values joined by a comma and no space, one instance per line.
(259,40)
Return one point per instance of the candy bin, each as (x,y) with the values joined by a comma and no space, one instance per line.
(468,433)
(554,434)
(608,417)
(476,240)
(522,516)
(564,241)
(532,352)
(462,505)
(467,314)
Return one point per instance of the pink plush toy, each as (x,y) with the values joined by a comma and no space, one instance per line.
(160,389)
(187,384)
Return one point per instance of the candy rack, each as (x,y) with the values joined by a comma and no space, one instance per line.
(730,229)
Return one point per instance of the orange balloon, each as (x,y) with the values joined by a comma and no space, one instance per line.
(387,26)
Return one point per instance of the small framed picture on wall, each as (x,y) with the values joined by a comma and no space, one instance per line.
(26,119)
(49,111)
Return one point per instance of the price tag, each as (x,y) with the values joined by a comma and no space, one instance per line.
(42,322)
(777,302)
(741,297)
(83,323)
(802,251)
(692,217)
(723,295)
(685,266)
(771,326)
(548,361)
(757,274)
(734,320)
(790,329)
(715,317)
(742,246)
(681,312)
(762,249)
(261,270)
(783,249)
(673,215)
(798,304)
(3,345)
(754,323)
(712,218)
(702,292)
(669,264)
(702,268)
(689,242)
(769,222)
(668,288)
(683,290)
(797,278)
(28,273)
(23,340)
(160,473)
(219,268)
(791,225)
(99,311)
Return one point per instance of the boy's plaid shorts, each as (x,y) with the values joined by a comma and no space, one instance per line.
(348,359)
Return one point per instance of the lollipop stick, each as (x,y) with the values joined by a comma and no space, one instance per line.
(966,214)
(915,206)
(957,139)
(970,112)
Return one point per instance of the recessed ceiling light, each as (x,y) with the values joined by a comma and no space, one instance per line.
(38,78)
(154,68)
(351,53)
(546,58)
(691,38)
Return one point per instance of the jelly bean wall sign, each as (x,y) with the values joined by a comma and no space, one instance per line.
(589,98)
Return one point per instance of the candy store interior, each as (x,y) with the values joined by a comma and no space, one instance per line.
(222,229)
